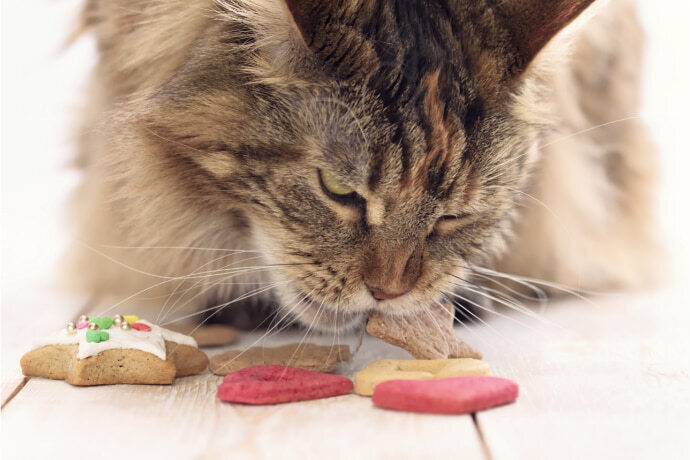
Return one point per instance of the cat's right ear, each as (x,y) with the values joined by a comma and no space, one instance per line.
(531,24)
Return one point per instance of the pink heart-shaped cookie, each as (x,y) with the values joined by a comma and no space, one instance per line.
(455,395)
(273,384)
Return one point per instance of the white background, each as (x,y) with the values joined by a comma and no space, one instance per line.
(42,87)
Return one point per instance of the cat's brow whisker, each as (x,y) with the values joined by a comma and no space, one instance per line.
(578,133)
(352,114)
(560,222)
(501,171)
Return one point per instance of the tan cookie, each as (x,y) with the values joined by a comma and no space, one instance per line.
(213,335)
(103,352)
(305,356)
(428,334)
(395,369)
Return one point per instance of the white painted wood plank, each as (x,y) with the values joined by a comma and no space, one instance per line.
(26,317)
(616,385)
(187,421)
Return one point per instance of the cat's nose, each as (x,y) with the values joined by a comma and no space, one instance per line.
(383,295)
(392,272)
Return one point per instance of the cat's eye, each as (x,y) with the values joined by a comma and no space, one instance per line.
(333,185)
(450,223)
(339,192)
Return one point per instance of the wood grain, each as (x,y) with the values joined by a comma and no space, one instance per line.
(186,420)
(610,382)
(614,385)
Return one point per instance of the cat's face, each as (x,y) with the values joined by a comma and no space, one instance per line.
(373,159)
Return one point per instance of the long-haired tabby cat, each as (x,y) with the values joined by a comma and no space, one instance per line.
(327,158)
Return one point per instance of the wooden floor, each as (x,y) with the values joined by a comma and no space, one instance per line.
(607,379)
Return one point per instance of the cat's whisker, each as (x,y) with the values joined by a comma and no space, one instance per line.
(307,333)
(462,323)
(268,331)
(503,295)
(200,281)
(196,283)
(153,286)
(427,309)
(499,314)
(576,292)
(520,309)
(201,323)
(223,305)
(281,318)
(201,292)
(183,248)
(468,311)
(540,294)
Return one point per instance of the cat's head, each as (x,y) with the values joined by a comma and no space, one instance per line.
(375,147)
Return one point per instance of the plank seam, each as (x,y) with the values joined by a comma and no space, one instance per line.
(482,439)
(15,392)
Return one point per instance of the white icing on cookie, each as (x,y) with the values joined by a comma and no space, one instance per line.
(152,341)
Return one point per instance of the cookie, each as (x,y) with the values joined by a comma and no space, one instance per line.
(458,395)
(427,334)
(305,356)
(274,384)
(119,352)
(213,335)
(397,369)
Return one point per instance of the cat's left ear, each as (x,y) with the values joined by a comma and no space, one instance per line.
(531,24)
(307,14)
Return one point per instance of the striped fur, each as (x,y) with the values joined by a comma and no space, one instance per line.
(212,120)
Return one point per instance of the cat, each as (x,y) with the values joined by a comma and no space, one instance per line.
(324,159)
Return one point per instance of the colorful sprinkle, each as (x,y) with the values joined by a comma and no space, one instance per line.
(131,319)
(83,325)
(103,322)
(97,336)
(141,327)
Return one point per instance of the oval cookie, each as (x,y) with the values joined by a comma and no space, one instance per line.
(322,358)
(280,384)
(457,395)
(212,335)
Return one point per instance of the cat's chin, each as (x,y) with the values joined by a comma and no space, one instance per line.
(317,315)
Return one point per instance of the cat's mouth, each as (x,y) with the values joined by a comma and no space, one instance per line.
(320,315)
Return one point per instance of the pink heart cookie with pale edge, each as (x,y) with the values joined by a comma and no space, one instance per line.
(456,395)
(273,384)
